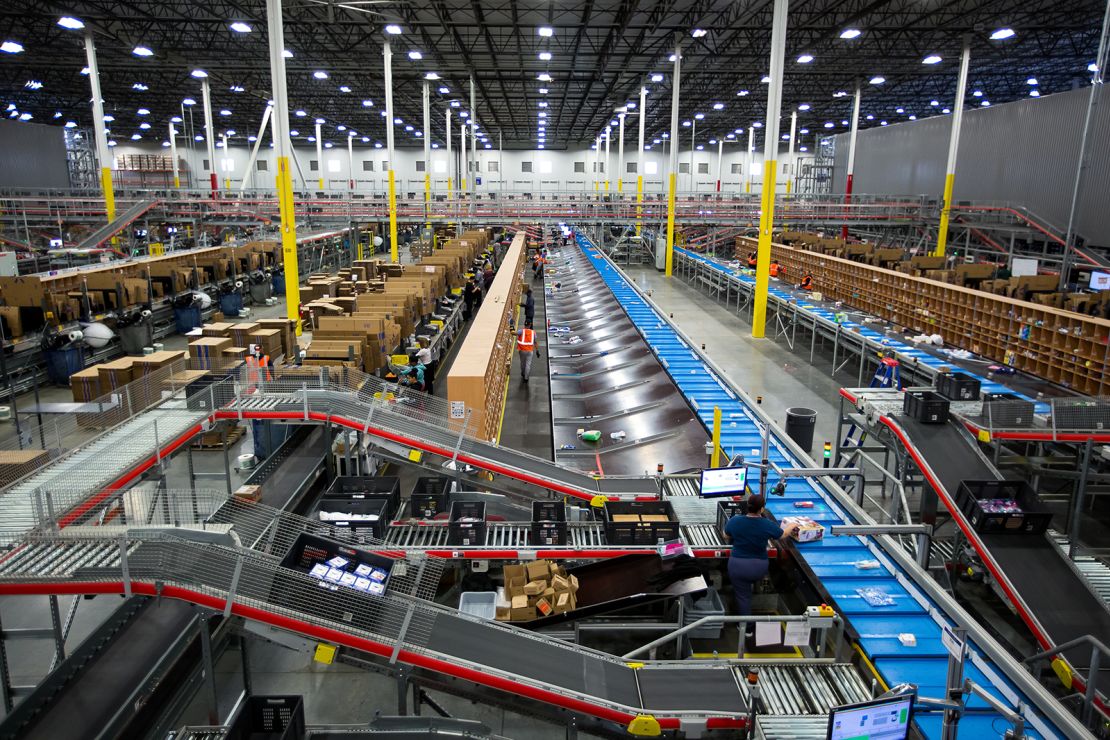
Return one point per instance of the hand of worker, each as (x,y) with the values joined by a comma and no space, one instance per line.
(792,531)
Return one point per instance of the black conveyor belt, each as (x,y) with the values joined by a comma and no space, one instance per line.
(566,667)
(1052,590)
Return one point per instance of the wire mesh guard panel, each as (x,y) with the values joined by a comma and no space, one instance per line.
(210,570)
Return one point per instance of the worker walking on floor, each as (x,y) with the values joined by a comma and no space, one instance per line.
(526,346)
(748,563)
(529,303)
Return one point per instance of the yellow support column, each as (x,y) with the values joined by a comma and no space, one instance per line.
(942,228)
(109,194)
(428,199)
(763,254)
(289,242)
(670,226)
(715,460)
(639,203)
(392,217)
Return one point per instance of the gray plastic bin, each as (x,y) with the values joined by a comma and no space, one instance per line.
(479,604)
(709,605)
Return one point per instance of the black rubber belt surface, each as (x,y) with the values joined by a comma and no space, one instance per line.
(712,689)
(551,663)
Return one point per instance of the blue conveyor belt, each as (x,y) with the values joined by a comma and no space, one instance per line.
(833,558)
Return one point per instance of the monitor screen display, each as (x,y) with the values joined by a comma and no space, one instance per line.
(55,243)
(882,719)
(723,481)
(1100,281)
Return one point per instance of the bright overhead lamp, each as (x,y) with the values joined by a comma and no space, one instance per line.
(84,70)
(542,104)
(932,59)
(757,124)
(546,31)
(237,88)
(368,104)
(538,146)
(112,143)
(1034,93)
(321,121)
(408,128)
(977,93)
(743,93)
(805,59)
(870,117)
(986,104)
(344,89)
(946,110)
(545,56)
(803,131)
(656,141)
(71,124)
(144,125)
(225,112)
(850,33)
(377,145)
(1031,81)
(730,136)
(294,132)
(544,77)
(844,93)
(200,74)
(913,118)
(700,147)
(33,85)
(393,29)
(698,33)
(686,124)
(718,106)
(1092,67)
(843,123)
(828,124)
(444,90)
(657,77)
(1003,33)
(365,139)
(699,116)
(136,137)
(71,23)
(785,137)
(712,141)
(632,106)
(454,104)
(899,110)
(240,27)
(415,56)
(542,114)
(328,145)
(143,112)
(803,106)
(175,119)
(109,119)
(877,80)
(543,91)
(142,51)
(140,87)
(934,103)
(25,116)
(287,53)
(398,121)
(431,76)
(299,113)
(320,74)
(765,79)
(230,132)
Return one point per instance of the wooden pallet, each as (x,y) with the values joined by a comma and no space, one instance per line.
(214,441)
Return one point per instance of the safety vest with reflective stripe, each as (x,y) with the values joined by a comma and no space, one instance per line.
(526,342)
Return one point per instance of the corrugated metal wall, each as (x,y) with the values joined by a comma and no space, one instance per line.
(1023,153)
(32,156)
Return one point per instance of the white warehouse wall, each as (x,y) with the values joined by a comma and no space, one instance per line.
(551,170)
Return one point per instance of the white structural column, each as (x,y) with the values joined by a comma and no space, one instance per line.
(640,161)
(387,57)
(464,162)
(472,119)
(254,149)
(620,154)
(99,131)
(608,136)
(851,158)
(283,150)
(673,165)
(720,160)
(173,156)
(790,150)
(320,153)
(427,155)
(351,160)
(450,159)
(770,166)
(226,158)
(209,131)
(953,149)
(750,161)
(693,148)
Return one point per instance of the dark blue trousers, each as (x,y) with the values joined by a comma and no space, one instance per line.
(744,573)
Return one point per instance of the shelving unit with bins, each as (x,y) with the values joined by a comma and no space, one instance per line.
(1063,347)
(480,372)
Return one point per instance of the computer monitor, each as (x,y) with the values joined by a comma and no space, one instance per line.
(717,482)
(55,243)
(1100,280)
(881,719)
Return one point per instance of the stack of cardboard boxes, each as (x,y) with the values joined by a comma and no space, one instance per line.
(538,589)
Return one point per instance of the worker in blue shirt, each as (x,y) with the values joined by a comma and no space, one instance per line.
(748,564)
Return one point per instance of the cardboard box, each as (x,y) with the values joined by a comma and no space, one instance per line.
(564,602)
(204,353)
(116,374)
(216,329)
(808,529)
(85,384)
(268,339)
(534,588)
(251,493)
(539,570)
(288,329)
(147,364)
(520,610)
(241,332)
(544,607)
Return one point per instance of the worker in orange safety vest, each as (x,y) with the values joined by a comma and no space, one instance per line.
(526,345)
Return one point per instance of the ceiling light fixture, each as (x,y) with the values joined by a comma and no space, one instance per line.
(546,31)
(656,77)
(287,53)
(200,74)
(742,94)
(240,27)
(143,112)
(444,90)
(544,77)
(850,33)
(33,85)
(698,33)
(805,59)
(545,56)
(803,106)
(765,79)
(237,88)
(877,80)
(543,91)
(142,51)
(1034,93)
(932,59)
(415,56)
(718,106)
(1003,33)
(368,104)
(71,23)
(225,112)
(320,74)
(393,29)
(431,76)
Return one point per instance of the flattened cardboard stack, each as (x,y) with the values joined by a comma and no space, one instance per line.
(217,329)
(288,332)
(240,333)
(205,353)
(538,589)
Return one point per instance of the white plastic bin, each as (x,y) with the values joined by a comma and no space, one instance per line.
(479,604)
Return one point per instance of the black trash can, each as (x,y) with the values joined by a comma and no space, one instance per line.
(800,423)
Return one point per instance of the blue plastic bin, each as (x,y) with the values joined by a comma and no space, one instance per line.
(231,304)
(186,319)
(278,281)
